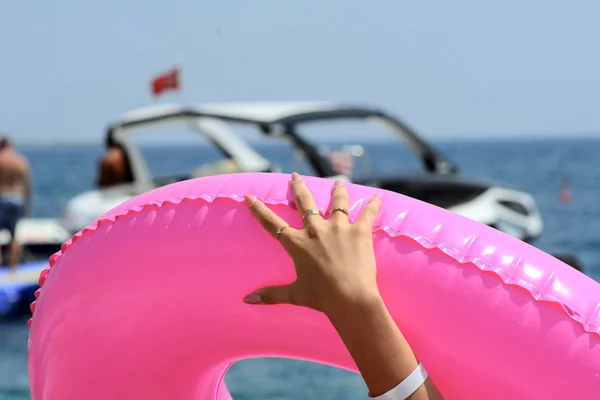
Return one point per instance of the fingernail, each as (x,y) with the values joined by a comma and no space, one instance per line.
(253,298)
(295,176)
(249,199)
(338,183)
(377,197)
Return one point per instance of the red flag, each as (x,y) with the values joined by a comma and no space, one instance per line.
(166,81)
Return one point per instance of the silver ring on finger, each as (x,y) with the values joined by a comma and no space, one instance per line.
(280,231)
(340,209)
(309,212)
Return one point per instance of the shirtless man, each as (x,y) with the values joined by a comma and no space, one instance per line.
(112,168)
(15,195)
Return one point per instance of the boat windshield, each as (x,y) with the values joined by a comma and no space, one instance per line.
(280,151)
(355,147)
(177,152)
(360,148)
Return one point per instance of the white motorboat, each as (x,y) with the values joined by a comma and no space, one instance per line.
(506,209)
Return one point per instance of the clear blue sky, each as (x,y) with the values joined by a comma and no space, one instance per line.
(447,67)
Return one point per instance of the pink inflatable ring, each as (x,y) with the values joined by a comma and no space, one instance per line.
(146,302)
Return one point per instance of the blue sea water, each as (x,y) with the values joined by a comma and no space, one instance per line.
(534,166)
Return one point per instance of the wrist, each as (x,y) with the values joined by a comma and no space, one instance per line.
(354,301)
(380,351)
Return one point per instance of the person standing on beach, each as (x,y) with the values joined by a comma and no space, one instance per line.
(15,195)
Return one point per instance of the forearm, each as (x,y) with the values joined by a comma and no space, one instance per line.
(377,346)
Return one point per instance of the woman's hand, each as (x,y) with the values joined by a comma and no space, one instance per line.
(334,259)
(336,274)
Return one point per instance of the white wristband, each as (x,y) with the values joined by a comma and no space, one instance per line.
(407,387)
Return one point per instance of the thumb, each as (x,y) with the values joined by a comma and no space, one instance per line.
(271,295)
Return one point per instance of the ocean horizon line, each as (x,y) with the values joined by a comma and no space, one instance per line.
(333,139)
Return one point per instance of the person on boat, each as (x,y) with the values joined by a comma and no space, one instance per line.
(571,261)
(15,195)
(113,167)
(336,274)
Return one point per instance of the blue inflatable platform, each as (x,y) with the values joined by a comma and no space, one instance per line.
(17,288)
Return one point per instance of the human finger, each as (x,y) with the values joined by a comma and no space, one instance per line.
(305,202)
(272,223)
(369,213)
(271,295)
(339,203)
